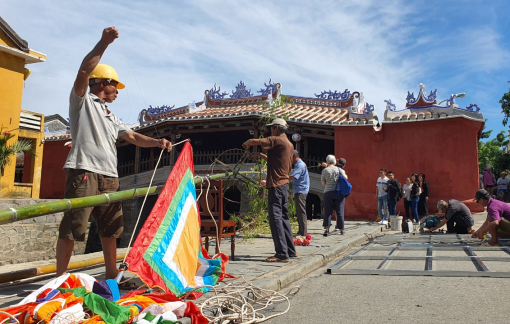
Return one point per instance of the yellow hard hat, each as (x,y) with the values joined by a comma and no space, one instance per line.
(103,71)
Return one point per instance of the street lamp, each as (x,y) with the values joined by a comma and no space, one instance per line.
(452,98)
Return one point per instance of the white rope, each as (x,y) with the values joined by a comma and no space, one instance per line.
(218,238)
(145,199)
(239,301)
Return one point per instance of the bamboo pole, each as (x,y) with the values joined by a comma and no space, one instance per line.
(11,215)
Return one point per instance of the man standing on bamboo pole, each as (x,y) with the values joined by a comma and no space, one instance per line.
(279,162)
(92,162)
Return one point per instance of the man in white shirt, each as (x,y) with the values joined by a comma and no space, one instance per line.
(381,193)
(92,162)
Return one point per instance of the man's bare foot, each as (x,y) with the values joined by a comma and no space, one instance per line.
(494,243)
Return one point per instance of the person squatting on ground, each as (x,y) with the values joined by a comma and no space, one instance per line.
(423,209)
(279,163)
(503,182)
(91,165)
(415,197)
(381,194)
(394,193)
(457,217)
(498,218)
(333,200)
(300,186)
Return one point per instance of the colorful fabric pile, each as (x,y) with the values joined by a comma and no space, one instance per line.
(79,298)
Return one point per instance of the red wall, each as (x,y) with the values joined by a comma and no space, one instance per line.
(446,150)
(53,178)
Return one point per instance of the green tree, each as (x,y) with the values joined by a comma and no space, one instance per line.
(7,151)
(490,152)
(505,107)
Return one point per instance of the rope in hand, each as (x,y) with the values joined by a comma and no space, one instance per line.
(145,198)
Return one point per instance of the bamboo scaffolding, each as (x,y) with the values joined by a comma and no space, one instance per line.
(11,215)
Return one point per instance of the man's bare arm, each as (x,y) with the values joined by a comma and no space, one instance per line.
(251,142)
(92,60)
(145,141)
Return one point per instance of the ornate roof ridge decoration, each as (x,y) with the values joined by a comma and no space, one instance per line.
(152,111)
(215,93)
(368,108)
(390,105)
(425,107)
(241,91)
(473,108)
(270,88)
(362,111)
(338,96)
(422,99)
(158,113)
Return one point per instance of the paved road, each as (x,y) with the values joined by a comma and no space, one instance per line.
(325,298)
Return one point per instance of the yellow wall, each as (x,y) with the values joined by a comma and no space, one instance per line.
(11,91)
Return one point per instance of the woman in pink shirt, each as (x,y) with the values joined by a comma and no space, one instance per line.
(488,179)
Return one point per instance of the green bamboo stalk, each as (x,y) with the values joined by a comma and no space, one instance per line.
(11,215)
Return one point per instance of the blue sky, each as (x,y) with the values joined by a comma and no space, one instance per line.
(170,52)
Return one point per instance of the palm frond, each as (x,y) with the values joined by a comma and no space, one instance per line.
(6,152)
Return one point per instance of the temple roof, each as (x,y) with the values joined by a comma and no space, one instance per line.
(426,108)
(328,108)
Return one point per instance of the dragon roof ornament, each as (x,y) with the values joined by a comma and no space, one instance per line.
(368,108)
(215,93)
(241,92)
(338,96)
(390,105)
(152,111)
(430,99)
(270,89)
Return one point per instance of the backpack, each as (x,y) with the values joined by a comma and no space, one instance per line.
(399,191)
(343,186)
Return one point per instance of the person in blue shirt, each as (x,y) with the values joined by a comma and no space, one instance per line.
(300,186)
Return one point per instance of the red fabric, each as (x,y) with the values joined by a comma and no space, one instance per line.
(193,312)
(137,263)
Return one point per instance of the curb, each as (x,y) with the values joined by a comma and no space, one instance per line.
(286,275)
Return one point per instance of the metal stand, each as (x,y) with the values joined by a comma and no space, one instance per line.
(424,247)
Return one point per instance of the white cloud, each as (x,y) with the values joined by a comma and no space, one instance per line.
(170,54)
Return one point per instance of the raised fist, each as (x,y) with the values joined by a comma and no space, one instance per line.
(109,35)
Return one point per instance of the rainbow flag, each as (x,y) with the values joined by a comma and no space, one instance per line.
(168,252)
